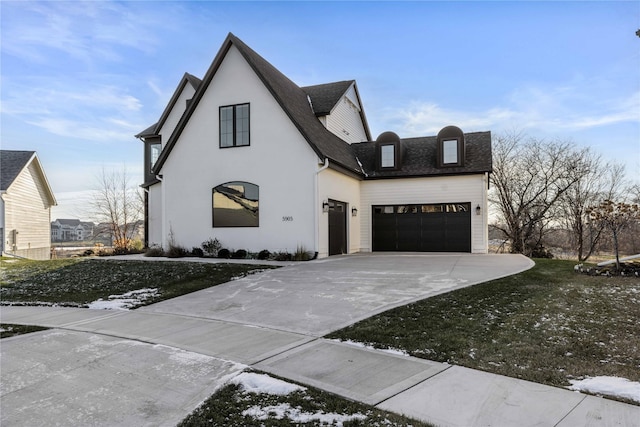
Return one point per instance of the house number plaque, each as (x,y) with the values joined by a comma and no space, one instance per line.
(287,218)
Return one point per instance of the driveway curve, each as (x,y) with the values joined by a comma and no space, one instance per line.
(315,298)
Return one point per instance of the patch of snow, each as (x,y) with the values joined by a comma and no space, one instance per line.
(260,383)
(296,415)
(124,301)
(395,351)
(608,386)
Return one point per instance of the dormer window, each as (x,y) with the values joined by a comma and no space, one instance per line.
(387,156)
(450,147)
(388,151)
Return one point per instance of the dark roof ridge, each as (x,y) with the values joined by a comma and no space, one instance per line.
(291,98)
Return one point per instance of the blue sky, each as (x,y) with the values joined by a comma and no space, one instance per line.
(79,79)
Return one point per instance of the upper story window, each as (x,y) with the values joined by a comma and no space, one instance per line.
(234,125)
(152,149)
(387,156)
(451,147)
(236,204)
(388,151)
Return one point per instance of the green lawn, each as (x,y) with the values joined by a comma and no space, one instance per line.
(78,282)
(548,325)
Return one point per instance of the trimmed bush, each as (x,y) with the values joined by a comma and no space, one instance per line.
(239,254)
(264,254)
(224,253)
(211,247)
(195,251)
(282,256)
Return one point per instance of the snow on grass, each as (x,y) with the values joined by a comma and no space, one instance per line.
(395,351)
(259,383)
(296,415)
(124,301)
(608,386)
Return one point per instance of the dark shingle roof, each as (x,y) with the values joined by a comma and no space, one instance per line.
(325,96)
(419,157)
(291,98)
(11,163)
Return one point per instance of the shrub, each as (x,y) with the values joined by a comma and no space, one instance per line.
(195,251)
(239,254)
(302,254)
(176,251)
(264,254)
(211,247)
(154,251)
(282,256)
(224,253)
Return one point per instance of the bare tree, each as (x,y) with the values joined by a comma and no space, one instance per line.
(615,217)
(119,205)
(529,178)
(600,182)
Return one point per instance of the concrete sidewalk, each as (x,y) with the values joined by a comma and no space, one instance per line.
(154,366)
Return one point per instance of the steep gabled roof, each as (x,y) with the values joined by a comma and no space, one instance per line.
(13,162)
(292,99)
(325,96)
(155,128)
(419,157)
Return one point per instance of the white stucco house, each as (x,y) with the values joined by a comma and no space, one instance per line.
(26,199)
(247,156)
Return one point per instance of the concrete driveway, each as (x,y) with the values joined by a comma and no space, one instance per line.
(315,298)
(153,366)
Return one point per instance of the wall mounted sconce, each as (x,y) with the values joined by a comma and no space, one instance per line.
(325,206)
(354,211)
(478,209)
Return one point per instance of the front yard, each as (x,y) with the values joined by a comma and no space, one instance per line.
(100,283)
(548,325)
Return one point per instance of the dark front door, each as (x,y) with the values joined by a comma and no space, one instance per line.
(337,227)
(442,227)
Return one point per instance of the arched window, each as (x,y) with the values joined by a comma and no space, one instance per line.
(450,147)
(235,204)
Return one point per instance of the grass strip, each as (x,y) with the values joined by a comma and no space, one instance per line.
(80,282)
(9,329)
(547,325)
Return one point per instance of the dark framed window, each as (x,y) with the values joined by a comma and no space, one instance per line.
(451,147)
(234,126)
(152,149)
(387,156)
(236,204)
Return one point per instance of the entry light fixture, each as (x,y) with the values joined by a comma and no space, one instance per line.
(325,206)
(478,209)
(354,211)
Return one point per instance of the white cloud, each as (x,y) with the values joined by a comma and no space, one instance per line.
(558,109)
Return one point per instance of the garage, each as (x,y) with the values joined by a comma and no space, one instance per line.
(444,227)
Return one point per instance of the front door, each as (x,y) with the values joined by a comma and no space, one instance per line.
(337,227)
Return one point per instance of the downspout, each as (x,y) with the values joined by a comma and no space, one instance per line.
(316,207)
(163,210)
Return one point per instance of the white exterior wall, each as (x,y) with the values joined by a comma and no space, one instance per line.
(27,210)
(345,121)
(278,160)
(450,189)
(336,186)
(176,113)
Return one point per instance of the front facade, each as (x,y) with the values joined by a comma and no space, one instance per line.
(25,206)
(69,230)
(250,158)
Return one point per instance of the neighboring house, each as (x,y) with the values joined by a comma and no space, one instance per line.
(67,230)
(247,156)
(25,206)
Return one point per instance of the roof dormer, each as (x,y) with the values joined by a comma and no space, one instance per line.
(450,141)
(388,151)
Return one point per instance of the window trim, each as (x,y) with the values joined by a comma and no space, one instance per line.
(235,141)
(459,152)
(396,156)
